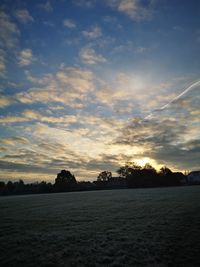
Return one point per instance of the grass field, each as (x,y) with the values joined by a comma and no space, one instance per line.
(133,227)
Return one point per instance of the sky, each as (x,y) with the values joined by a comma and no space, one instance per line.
(88,85)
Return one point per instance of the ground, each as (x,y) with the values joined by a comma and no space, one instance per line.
(130,227)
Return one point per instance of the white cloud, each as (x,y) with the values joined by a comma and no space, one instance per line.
(94,33)
(141,50)
(13,141)
(127,6)
(11,119)
(46,7)
(85,3)
(2,66)
(68,86)
(89,56)
(35,115)
(77,79)
(25,57)
(5,101)
(35,80)
(69,23)
(2,63)
(49,23)
(133,8)
(8,40)
(24,16)
(8,31)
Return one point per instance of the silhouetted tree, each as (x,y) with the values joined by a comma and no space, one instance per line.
(19,187)
(169,178)
(2,187)
(132,172)
(65,181)
(128,169)
(150,169)
(103,179)
(10,187)
(131,175)
(148,176)
(45,187)
(180,178)
(165,171)
(104,176)
(85,185)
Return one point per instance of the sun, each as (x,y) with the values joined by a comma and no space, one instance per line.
(142,161)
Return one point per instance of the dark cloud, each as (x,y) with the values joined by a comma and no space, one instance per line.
(170,136)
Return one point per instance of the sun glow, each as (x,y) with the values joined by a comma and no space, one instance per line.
(141,162)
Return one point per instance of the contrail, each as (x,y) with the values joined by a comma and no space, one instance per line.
(174,99)
(183,93)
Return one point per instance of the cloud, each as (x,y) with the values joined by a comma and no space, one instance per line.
(15,140)
(133,8)
(173,100)
(93,33)
(23,16)
(25,57)
(9,34)
(141,50)
(171,136)
(11,119)
(124,107)
(89,56)
(35,115)
(46,6)
(50,152)
(49,24)
(6,101)
(121,87)
(69,23)
(68,86)
(2,63)
(85,3)
(41,81)
(46,158)
(193,86)
(77,79)
(8,31)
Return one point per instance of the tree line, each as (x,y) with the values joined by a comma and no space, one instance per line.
(131,175)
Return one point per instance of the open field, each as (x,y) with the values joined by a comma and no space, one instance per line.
(133,227)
